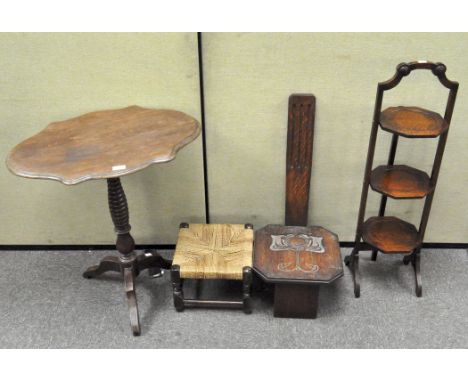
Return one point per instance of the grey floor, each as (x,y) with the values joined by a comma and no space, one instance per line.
(45,303)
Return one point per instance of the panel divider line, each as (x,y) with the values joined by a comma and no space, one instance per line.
(203,125)
(111,247)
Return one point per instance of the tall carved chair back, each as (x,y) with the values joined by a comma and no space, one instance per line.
(301,122)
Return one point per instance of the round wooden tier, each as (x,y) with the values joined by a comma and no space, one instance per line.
(103,144)
(389,234)
(400,182)
(412,122)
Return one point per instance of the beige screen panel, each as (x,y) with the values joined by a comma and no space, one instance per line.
(54,76)
(248,78)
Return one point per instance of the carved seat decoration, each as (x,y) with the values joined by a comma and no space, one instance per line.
(305,254)
(300,242)
(297,243)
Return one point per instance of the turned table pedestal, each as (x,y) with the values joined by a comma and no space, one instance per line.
(297,260)
(107,145)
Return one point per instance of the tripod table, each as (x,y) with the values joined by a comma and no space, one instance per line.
(107,145)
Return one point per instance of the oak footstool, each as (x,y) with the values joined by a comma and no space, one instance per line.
(213,251)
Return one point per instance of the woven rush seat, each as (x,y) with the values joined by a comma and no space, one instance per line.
(214,251)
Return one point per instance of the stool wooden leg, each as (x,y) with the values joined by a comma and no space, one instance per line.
(178,293)
(246,286)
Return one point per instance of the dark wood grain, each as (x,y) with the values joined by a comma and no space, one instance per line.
(103,144)
(292,265)
(389,234)
(296,301)
(301,117)
(412,122)
(400,182)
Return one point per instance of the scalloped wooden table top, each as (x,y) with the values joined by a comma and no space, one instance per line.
(103,144)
